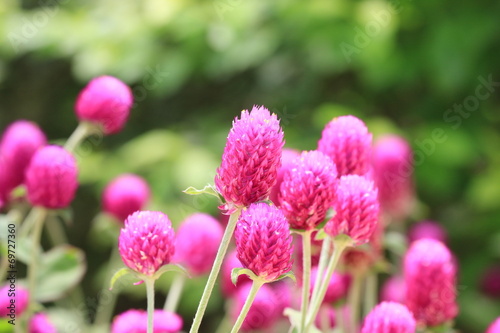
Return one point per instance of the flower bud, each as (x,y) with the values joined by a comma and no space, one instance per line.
(125,195)
(389,317)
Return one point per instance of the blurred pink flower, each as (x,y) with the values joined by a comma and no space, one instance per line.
(490,282)
(347,142)
(197,242)
(394,289)
(13,300)
(251,159)
(146,242)
(287,157)
(105,101)
(51,178)
(325,318)
(337,288)
(230,262)
(427,229)
(389,317)
(135,321)
(125,195)
(40,323)
(494,327)
(263,241)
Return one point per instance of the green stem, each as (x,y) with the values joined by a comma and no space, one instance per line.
(228,234)
(175,292)
(370,298)
(339,245)
(306,267)
(82,131)
(354,299)
(39,214)
(150,288)
(256,284)
(323,261)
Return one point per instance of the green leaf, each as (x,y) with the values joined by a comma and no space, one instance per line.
(209,189)
(120,273)
(321,234)
(60,270)
(170,268)
(287,275)
(5,327)
(236,272)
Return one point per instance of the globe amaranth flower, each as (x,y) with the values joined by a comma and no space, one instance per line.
(389,317)
(394,289)
(197,242)
(287,157)
(51,178)
(263,241)
(392,171)
(19,142)
(494,327)
(430,277)
(347,142)
(263,313)
(135,321)
(19,294)
(124,195)
(427,229)
(251,158)
(357,209)
(231,262)
(40,323)
(337,286)
(146,242)
(105,101)
(308,189)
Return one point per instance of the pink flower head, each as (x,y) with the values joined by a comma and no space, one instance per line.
(263,241)
(357,209)
(230,262)
(490,282)
(263,313)
(165,322)
(347,142)
(19,142)
(40,323)
(394,289)
(124,195)
(51,178)
(393,169)
(287,157)
(427,229)
(131,321)
(389,317)
(308,189)
(430,276)
(20,296)
(197,242)
(105,101)
(337,288)
(251,158)
(494,327)
(146,242)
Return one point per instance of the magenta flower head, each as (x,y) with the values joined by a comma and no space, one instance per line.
(105,101)
(392,171)
(430,276)
(389,317)
(146,242)
(20,296)
(231,262)
(494,327)
(394,289)
(19,142)
(263,313)
(165,322)
(357,209)
(197,242)
(347,142)
(51,178)
(264,242)
(427,229)
(308,189)
(251,158)
(337,286)
(124,195)
(40,323)
(130,321)
(287,158)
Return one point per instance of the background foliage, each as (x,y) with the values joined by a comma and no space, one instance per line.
(400,65)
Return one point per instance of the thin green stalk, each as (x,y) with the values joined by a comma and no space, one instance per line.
(323,261)
(82,131)
(306,267)
(175,292)
(354,299)
(40,213)
(370,297)
(256,284)
(28,222)
(228,234)
(339,245)
(150,289)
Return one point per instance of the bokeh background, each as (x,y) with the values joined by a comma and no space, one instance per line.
(403,66)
